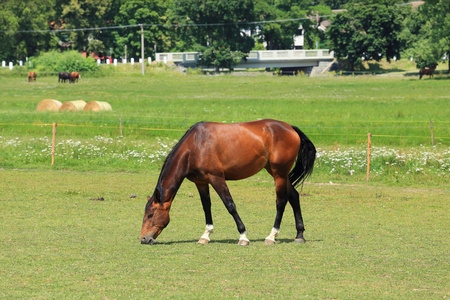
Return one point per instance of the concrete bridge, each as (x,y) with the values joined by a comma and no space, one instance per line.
(308,61)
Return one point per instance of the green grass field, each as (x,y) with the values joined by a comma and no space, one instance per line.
(383,239)
(363,241)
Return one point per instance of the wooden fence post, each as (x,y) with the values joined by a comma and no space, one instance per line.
(369,144)
(53,143)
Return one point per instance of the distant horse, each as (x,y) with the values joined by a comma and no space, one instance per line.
(31,76)
(74,76)
(428,72)
(211,153)
(63,76)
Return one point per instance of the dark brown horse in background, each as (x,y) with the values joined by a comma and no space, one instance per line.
(31,76)
(428,72)
(211,153)
(63,76)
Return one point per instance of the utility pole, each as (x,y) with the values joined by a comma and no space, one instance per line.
(142,49)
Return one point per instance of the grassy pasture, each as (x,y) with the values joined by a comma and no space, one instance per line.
(342,109)
(337,113)
(364,241)
(382,239)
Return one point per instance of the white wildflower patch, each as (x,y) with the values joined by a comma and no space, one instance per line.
(423,161)
(90,149)
(384,160)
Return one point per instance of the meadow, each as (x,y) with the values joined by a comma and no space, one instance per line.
(386,238)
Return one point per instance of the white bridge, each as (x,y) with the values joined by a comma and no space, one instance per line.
(311,61)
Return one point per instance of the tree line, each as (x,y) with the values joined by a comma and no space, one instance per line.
(360,29)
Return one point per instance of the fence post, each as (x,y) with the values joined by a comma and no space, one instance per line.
(53,143)
(121,133)
(369,144)
(432,135)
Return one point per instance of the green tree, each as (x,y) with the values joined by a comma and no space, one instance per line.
(135,12)
(368,32)
(220,26)
(79,14)
(22,22)
(436,43)
(8,24)
(279,35)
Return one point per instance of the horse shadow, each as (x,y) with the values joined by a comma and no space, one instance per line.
(232,241)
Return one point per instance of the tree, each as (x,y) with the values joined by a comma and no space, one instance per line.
(85,14)
(220,26)
(436,13)
(19,20)
(280,35)
(8,24)
(368,32)
(135,12)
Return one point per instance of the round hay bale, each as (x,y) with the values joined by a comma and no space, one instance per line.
(49,105)
(98,106)
(76,105)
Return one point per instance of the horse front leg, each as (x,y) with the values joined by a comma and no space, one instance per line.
(222,190)
(203,190)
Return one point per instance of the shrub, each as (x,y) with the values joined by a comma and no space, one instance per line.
(67,61)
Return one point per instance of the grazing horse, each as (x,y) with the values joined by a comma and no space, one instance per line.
(211,153)
(31,76)
(74,76)
(428,72)
(63,76)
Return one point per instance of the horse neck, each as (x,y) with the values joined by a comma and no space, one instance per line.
(174,171)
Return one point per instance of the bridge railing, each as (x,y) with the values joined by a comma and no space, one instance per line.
(254,56)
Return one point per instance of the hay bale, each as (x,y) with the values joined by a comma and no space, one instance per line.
(77,105)
(49,105)
(98,106)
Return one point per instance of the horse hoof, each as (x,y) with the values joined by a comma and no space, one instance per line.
(243,243)
(269,242)
(300,240)
(203,241)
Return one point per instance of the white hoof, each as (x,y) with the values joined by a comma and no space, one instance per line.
(269,242)
(203,241)
(244,242)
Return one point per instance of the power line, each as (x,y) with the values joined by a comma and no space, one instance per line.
(161,25)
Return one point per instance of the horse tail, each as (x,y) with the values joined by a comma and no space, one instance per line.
(420,74)
(305,160)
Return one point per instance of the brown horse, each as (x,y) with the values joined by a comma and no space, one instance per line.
(31,76)
(428,72)
(211,153)
(74,77)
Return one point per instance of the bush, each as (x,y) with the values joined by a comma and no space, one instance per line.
(67,61)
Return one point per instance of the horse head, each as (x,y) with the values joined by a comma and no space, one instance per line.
(156,218)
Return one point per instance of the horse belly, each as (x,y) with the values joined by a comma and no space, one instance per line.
(243,168)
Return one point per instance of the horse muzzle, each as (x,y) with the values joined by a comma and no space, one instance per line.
(148,240)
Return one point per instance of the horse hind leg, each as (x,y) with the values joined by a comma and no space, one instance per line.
(294,200)
(280,187)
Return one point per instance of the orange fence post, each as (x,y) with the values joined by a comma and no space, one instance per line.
(53,143)
(369,144)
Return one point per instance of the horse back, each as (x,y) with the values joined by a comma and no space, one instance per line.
(240,150)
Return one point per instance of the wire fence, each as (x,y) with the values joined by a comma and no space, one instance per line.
(182,126)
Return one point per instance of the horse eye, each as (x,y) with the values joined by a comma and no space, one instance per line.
(150,216)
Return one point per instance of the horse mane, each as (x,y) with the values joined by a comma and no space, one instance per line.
(169,159)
